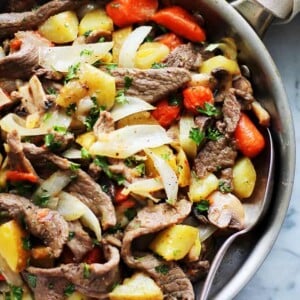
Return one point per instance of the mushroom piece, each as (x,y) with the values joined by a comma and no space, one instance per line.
(226,211)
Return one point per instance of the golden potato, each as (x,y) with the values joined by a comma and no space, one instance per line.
(174,242)
(195,251)
(220,62)
(186,123)
(201,188)
(183,168)
(12,249)
(86,140)
(143,117)
(150,53)
(244,178)
(119,36)
(95,20)
(61,28)
(137,287)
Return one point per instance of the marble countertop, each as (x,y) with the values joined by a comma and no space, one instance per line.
(279,276)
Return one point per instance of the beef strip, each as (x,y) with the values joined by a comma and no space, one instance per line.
(215,155)
(118,166)
(151,84)
(21,64)
(46,224)
(151,219)
(184,56)
(80,242)
(226,177)
(83,187)
(243,91)
(63,140)
(104,124)
(19,6)
(203,122)
(13,22)
(96,282)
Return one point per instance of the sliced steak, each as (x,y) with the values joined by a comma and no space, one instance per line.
(104,124)
(231,113)
(46,224)
(203,122)
(94,280)
(79,241)
(151,84)
(83,187)
(63,139)
(196,270)
(184,56)
(215,155)
(243,91)
(21,64)
(13,22)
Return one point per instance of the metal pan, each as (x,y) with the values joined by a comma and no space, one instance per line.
(223,19)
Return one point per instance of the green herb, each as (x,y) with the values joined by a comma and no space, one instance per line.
(74,167)
(97,63)
(86,52)
(60,129)
(101,40)
(47,116)
(141,168)
(42,199)
(26,243)
(87,33)
(71,109)
(115,229)
(130,213)
(51,91)
(7,296)
(165,156)
(202,206)
(17,292)
(69,289)
(110,67)
(130,161)
(213,134)
(175,100)
(72,72)
(71,235)
(149,39)
(96,242)
(21,188)
(86,271)
(31,279)
(209,110)
(85,153)
(224,187)
(93,115)
(196,135)
(158,65)
(121,98)
(162,269)
(127,82)
(51,143)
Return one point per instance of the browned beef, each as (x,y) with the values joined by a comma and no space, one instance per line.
(196,270)
(104,124)
(152,84)
(203,122)
(16,158)
(118,166)
(215,155)
(19,6)
(226,177)
(184,56)
(151,219)
(231,113)
(83,187)
(243,91)
(94,280)
(21,64)
(10,23)
(96,35)
(63,140)
(79,241)
(46,224)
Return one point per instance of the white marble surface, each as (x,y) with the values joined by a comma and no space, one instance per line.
(279,276)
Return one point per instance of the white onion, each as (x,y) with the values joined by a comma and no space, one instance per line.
(72,153)
(62,57)
(129,140)
(167,174)
(10,276)
(131,45)
(57,118)
(134,105)
(205,231)
(71,208)
(186,123)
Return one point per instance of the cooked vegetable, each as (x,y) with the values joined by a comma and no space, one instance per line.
(119,36)
(175,242)
(195,251)
(170,39)
(139,118)
(10,276)
(220,62)
(137,287)
(249,140)
(12,249)
(227,46)
(201,79)
(183,169)
(261,113)
(181,22)
(200,188)
(186,124)
(61,28)
(244,178)
(127,12)
(86,140)
(21,176)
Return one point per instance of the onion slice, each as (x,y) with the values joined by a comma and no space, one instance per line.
(133,106)
(129,140)
(56,118)
(62,57)
(131,45)
(167,174)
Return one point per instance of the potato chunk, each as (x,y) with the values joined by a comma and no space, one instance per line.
(220,62)
(138,287)
(244,178)
(61,28)
(174,242)
(11,240)
(183,168)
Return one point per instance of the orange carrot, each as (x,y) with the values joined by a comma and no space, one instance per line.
(94,256)
(195,97)
(181,22)
(170,39)
(21,176)
(15,45)
(127,12)
(127,204)
(165,113)
(2,278)
(119,196)
(249,140)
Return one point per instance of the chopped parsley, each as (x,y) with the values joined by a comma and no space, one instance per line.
(69,289)
(202,206)
(213,134)
(224,187)
(158,65)
(141,169)
(87,33)
(72,72)
(47,116)
(93,115)
(71,235)
(51,91)
(209,110)
(16,293)
(51,143)
(175,100)
(130,213)
(162,269)
(74,167)
(86,52)
(86,271)
(85,153)
(130,161)
(26,243)
(101,40)
(71,109)
(127,82)
(196,135)
(31,279)
(110,67)
(120,97)
(60,129)
(42,199)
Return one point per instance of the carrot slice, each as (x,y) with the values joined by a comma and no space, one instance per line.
(170,39)
(94,256)
(181,22)
(21,176)
(119,196)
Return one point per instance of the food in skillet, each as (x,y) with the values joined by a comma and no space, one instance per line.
(128,142)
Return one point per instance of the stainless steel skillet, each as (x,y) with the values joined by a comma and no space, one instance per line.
(223,19)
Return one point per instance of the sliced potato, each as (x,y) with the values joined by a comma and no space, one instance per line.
(220,62)
(11,240)
(150,53)
(186,123)
(86,140)
(174,242)
(119,36)
(143,117)
(97,20)
(195,251)
(201,188)
(183,168)
(137,287)
(61,28)
(244,178)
